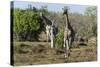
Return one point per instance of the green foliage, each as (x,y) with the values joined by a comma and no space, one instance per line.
(92,12)
(27,24)
(59,39)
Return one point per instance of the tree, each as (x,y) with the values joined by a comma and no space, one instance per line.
(27,24)
(92,13)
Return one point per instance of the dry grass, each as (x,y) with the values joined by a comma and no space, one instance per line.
(31,53)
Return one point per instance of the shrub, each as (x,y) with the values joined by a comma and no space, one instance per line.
(59,39)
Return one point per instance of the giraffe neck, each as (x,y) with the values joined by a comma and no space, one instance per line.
(67,23)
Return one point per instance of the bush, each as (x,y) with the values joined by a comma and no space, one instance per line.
(59,39)
(27,24)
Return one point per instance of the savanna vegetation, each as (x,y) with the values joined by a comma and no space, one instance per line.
(29,36)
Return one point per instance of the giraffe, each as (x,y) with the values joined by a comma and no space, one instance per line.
(68,34)
(50,29)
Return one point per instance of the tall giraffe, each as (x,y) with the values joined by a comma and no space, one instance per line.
(50,29)
(68,34)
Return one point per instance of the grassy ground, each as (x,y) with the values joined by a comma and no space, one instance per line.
(31,53)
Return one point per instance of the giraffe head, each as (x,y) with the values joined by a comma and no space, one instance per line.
(65,10)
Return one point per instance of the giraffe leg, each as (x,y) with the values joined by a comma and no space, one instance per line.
(47,33)
(64,43)
(47,37)
(52,43)
(66,49)
(69,46)
(70,42)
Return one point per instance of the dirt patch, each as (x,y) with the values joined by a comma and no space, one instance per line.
(43,54)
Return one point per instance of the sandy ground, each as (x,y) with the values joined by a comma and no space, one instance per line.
(34,53)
